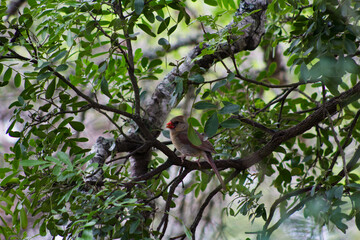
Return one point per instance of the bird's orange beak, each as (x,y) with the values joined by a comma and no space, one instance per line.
(170,125)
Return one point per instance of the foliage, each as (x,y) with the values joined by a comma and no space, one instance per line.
(69,59)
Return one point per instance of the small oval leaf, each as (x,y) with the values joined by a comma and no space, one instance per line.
(139,6)
(50,89)
(78,126)
(230,123)
(17,80)
(104,86)
(204,105)
(231,108)
(7,75)
(193,137)
(212,125)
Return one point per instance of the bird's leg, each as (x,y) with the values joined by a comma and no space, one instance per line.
(198,162)
(182,157)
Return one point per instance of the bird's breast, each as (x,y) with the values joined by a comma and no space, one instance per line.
(185,149)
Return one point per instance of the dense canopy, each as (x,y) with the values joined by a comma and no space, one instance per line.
(87,87)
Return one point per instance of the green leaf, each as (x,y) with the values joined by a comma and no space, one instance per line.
(154,63)
(139,6)
(164,43)
(332,83)
(357,220)
(6,210)
(78,126)
(7,75)
(350,46)
(230,108)
(65,159)
(232,4)
(159,18)
(212,2)
(172,29)
(351,66)
(62,67)
(204,105)
(59,56)
(149,16)
(211,125)
(337,217)
(193,137)
(4,170)
(32,3)
(163,25)
(219,85)
(304,73)
(43,76)
(42,229)
(146,29)
(272,68)
(87,234)
(194,122)
(188,190)
(102,67)
(187,232)
(8,179)
(104,86)
(230,76)
(166,133)
(32,163)
(308,135)
(54,160)
(230,123)
(23,218)
(197,78)
(17,80)
(50,89)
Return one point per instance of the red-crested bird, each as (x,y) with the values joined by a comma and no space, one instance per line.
(179,136)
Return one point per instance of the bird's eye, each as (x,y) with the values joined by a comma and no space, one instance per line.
(176,123)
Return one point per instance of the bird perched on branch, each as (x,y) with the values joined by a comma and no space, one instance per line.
(179,136)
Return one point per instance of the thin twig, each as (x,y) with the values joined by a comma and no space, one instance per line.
(142,147)
(342,153)
(275,86)
(285,216)
(345,144)
(206,203)
(254,124)
(165,218)
(272,102)
(283,99)
(162,191)
(130,65)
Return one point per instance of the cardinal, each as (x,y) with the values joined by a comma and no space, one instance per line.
(179,136)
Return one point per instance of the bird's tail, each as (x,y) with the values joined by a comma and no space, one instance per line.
(210,160)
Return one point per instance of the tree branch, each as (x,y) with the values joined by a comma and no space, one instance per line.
(164,220)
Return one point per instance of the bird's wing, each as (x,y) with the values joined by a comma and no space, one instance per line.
(205,145)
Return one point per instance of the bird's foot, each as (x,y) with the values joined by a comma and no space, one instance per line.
(198,162)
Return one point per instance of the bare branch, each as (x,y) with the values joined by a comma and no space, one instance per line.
(164,220)
(275,86)
(345,144)
(254,124)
